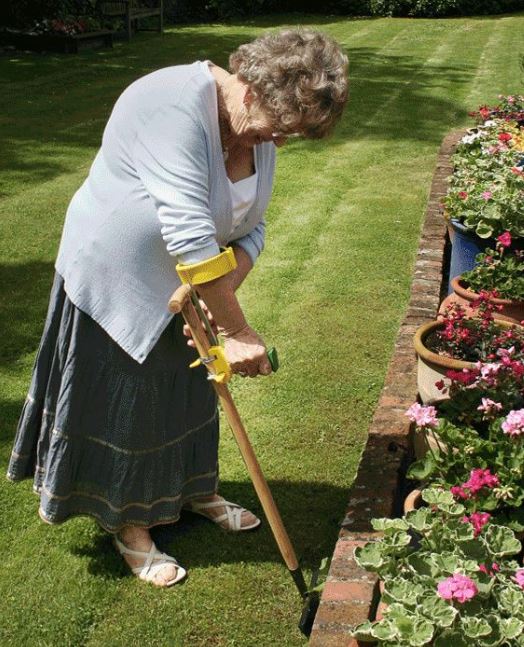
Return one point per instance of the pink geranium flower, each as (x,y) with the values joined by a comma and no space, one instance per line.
(495,568)
(478,520)
(487,195)
(478,478)
(457,587)
(513,425)
(489,369)
(489,407)
(459,492)
(422,416)
(505,239)
(519,577)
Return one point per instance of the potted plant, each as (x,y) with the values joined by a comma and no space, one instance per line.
(498,271)
(482,465)
(456,343)
(473,395)
(445,583)
(497,383)
(484,198)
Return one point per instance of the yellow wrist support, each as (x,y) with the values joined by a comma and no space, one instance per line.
(211,268)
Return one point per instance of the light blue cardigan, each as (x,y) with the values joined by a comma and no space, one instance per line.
(157,193)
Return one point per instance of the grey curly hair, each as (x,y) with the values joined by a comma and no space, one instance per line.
(299,76)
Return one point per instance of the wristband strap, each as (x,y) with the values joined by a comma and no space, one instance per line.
(211,268)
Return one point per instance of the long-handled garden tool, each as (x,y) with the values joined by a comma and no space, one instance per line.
(186,302)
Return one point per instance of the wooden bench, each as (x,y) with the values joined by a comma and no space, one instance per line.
(133,11)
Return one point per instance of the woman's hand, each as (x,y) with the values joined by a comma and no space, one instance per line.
(246,353)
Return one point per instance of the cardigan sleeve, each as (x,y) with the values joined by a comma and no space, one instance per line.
(170,157)
(253,243)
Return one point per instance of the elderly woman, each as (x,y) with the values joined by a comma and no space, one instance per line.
(116,426)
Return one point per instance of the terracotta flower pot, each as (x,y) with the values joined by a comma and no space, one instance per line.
(413,501)
(381,606)
(512,311)
(432,367)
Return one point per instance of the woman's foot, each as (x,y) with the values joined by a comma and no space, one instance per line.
(229,516)
(145,560)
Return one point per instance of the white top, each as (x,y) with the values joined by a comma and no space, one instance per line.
(243,195)
(157,194)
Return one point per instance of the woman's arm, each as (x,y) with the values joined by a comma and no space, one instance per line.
(175,173)
(244,266)
(245,349)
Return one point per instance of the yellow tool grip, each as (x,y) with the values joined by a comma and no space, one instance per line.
(216,361)
(211,268)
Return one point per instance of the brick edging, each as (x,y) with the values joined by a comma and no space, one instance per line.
(350,594)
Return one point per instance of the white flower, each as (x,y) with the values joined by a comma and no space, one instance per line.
(469,139)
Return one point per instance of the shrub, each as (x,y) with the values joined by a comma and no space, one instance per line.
(24,13)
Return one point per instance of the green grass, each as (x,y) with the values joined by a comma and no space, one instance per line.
(329,291)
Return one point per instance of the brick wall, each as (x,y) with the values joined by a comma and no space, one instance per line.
(351,594)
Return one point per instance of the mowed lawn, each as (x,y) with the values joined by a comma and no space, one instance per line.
(329,292)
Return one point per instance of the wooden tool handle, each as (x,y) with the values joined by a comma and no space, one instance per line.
(255,472)
(179,298)
(257,477)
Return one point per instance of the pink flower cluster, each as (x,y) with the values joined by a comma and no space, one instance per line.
(505,239)
(488,372)
(513,425)
(457,587)
(495,568)
(478,520)
(489,407)
(478,478)
(422,416)
(519,577)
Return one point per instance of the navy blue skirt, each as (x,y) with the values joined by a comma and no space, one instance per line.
(105,436)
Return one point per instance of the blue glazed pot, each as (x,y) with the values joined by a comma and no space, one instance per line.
(465,245)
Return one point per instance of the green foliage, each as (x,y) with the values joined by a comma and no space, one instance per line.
(500,270)
(25,12)
(485,192)
(436,8)
(445,548)
(467,449)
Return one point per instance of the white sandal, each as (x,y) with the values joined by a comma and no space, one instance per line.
(230,520)
(149,569)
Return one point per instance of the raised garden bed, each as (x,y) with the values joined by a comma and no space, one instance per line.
(60,43)
(462,545)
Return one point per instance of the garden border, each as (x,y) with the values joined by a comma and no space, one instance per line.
(350,595)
